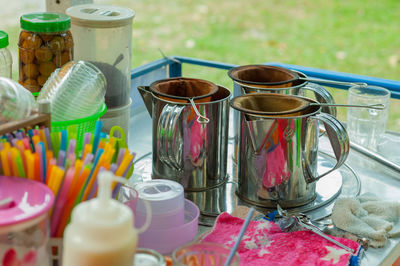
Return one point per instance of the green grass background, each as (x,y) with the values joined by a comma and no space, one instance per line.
(355,36)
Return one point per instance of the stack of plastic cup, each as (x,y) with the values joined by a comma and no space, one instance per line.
(173,218)
(16,102)
(75,91)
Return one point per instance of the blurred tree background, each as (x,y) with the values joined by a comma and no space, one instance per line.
(355,36)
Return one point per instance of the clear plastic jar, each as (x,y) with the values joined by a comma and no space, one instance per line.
(5,56)
(103,35)
(45,43)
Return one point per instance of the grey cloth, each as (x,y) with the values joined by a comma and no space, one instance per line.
(368,216)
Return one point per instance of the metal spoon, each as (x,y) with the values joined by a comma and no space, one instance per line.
(118,59)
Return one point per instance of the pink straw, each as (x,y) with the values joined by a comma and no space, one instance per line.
(61,200)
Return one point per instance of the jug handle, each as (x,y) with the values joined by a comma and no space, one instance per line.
(172,138)
(323,96)
(338,139)
(147,97)
(166,135)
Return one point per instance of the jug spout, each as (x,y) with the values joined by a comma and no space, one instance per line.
(147,97)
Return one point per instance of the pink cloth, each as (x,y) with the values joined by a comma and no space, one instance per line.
(265,244)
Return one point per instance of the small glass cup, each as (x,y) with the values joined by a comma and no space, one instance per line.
(150,257)
(203,254)
(367,126)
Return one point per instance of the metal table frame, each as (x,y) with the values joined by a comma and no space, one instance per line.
(375,177)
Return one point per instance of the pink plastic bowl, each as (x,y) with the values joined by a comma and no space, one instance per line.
(168,239)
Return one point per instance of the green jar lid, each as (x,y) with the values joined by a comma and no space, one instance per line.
(3,39)
(45,22)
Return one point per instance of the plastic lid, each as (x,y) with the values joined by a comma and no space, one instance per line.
(100,16)
(162,194)
(22,200)
(103,217)
(45,22)
(3,39)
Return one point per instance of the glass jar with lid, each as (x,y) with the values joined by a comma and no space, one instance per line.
(5,56)
(45,43)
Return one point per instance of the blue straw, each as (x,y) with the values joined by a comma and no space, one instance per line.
(96,139)
(96,160)
(241,233)
(44,161)
(64,140)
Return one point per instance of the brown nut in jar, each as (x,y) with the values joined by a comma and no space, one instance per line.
(46,37)
(31,85)
(60,60)
(41,80)
(46,68)
(30,70)
(56,44)
(32,42)
(26,56)
(43,54)
(68,41)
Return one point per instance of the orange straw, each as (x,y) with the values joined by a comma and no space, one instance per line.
(4,162)
(30,164)
(87,149)
(14,166)
(36,172)
(43,138)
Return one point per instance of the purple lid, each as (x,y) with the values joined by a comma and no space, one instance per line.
(22,200)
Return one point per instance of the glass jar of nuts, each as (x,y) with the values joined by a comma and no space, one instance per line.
(45,43)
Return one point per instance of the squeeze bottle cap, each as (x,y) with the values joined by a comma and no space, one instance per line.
(103,216)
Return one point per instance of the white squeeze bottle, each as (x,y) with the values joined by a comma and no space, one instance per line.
(101,231)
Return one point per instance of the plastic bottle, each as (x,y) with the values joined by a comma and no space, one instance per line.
(101,231)
(5,56)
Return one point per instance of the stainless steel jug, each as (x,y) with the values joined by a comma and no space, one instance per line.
(277,154)
(273,79)
(190,139)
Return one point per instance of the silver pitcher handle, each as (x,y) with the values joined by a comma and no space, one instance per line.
(174,140)
(323,96)
(169,140)
(339,140)
(162,128)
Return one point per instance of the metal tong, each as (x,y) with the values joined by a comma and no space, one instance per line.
(304,222)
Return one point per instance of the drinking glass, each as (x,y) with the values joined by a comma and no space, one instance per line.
(203,254)
(367,126)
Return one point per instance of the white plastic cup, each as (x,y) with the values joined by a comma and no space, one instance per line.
(367,126)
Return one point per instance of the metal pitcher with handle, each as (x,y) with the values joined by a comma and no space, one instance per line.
(190,135)
(277,153)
